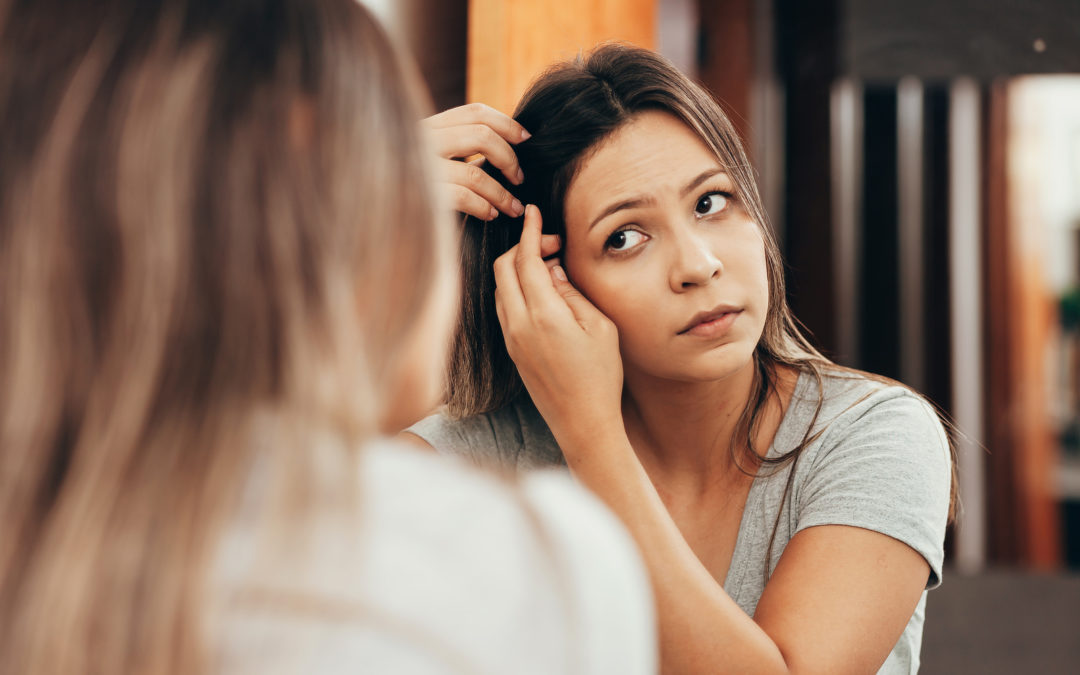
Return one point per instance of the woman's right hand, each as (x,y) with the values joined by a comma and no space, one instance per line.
(477,129)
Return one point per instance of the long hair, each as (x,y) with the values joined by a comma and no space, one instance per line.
(197,204)
(569,110)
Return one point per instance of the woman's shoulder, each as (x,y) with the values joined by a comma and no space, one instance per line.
(442,559)
(395,474)
(501,520)
(841,400)
(876,457)
(534,561)
(514,436)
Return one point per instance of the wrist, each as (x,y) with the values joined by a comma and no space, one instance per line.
(596,443)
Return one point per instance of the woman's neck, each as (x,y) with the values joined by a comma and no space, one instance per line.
(683,430)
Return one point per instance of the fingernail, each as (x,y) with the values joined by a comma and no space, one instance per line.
(517,208)
(559,273)
(493,213)
(525,135)
(519,176)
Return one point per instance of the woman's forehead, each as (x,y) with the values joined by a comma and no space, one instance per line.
(653,152)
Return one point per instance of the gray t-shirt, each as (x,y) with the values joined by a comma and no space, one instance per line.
(881,463)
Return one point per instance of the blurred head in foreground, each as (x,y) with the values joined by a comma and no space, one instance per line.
(210,213)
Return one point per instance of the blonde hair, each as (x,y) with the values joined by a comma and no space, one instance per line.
(197,204)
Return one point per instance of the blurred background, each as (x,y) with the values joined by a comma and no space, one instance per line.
(920,162)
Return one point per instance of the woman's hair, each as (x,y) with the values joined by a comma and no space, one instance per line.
(197,201)
(569,110)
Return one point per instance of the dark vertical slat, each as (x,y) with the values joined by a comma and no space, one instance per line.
(937,336)
(938,384)
(880,300)
(806,43)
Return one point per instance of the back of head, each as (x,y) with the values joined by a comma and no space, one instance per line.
(203,206)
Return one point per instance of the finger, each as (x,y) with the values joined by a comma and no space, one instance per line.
(499,312)
(550,263)
(584,311)
(466,201)
(550,244)
(478,113)
(533,276)
(531,233)
(470,139)
(508,289)
(477,181)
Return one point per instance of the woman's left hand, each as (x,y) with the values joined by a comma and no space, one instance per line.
(565,349)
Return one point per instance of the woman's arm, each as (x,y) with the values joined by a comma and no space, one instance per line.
(840,596)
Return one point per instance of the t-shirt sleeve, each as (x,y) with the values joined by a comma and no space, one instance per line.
(487,440)
(887,470)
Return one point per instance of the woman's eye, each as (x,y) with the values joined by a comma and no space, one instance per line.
(624,240)
(714,202)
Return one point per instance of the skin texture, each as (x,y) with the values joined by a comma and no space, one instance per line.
(644,415)
(421,361)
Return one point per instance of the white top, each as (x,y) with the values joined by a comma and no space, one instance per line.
(439,568)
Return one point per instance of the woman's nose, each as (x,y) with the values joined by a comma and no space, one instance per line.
(693,263)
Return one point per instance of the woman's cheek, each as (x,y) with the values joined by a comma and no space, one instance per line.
(624,300)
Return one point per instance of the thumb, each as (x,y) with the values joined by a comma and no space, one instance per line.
(583,310)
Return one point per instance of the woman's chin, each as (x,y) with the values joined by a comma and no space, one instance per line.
(715,365)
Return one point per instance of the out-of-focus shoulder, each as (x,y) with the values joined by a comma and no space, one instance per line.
(443,563)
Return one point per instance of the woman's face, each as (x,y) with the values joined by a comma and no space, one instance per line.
(657,241)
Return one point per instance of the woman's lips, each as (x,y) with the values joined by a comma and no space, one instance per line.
(714,326)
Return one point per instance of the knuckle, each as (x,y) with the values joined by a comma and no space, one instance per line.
(513,334)
(477,109)
(488,136)
(474,175)
(544,320)
(459,197)
(502,263)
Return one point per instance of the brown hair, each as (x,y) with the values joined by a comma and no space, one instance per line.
(197,199)
(569,110)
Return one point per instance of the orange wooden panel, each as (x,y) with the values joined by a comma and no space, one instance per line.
(512,41)
(1021,317)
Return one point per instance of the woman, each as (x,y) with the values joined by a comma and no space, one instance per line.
(791,512)
(222,276)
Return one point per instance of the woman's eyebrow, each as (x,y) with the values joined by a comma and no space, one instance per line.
(702,177)
(636,202)
(619,206)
